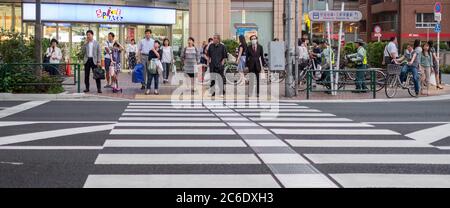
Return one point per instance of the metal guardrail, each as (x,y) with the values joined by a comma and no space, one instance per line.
(372,82)
(32,68)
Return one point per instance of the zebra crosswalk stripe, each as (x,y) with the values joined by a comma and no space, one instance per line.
(176,159)
(182,181)
(174,143)
(379,158)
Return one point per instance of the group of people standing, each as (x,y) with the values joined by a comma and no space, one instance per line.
(157,59)
(417,58)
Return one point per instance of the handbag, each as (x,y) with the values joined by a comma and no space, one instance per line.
(99,73)
(152,67)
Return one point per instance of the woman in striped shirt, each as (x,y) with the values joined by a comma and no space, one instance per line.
(190,57)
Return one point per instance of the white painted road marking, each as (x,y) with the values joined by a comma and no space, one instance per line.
(181,181)
(172,124)
(172,132)
(356,125)
(174,159)
(305,181)
(52,134)
(355,143)
(19,108)
(175,143)
(168,119)
(299,119)
(13,123)
(359,180)
(265,143)
(167,111)
(379,158)
(169,114)
(431,135)
(279,110)
(51,147)
(288,158)
(335,132)
(290,114)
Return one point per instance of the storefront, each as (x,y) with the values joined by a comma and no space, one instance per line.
(68,22)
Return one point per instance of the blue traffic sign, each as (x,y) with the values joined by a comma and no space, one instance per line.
(437,28)
(437,7)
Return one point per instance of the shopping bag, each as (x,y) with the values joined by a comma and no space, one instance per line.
(138,74)
(112,71)
(159,66)
(174,68)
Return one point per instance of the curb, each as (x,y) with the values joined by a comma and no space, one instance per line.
(87,97)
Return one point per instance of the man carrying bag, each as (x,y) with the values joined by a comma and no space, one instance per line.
(92,61)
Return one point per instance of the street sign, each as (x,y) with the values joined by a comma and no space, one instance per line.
(437,28)
(437,17)
(377,29)
(277,62)
(437,12)
(335,16)
(378,35)
(437,8)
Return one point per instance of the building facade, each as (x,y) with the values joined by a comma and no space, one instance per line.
(68,20)
(406,19)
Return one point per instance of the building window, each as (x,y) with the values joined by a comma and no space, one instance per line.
(425,20)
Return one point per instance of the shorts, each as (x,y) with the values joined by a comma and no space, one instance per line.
(241,66)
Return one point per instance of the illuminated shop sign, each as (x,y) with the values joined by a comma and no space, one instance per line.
(99,14)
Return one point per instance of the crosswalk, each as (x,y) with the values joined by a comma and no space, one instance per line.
(230,145)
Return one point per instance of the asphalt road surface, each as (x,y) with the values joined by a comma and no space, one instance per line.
(156,144)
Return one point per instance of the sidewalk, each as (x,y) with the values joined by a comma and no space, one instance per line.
(133,91)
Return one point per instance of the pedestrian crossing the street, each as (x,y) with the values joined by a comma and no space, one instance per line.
(224,145)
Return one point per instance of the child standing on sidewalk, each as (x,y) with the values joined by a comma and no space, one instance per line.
(116,64)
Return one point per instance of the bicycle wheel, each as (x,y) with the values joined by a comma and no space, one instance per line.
(302,81)
(411,88)
(232,75)
(380,80)
(391,86)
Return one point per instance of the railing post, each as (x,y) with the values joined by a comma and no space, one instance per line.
(78,72)
(373,80)
(308,83)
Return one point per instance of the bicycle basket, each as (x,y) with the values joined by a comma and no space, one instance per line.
(394,69)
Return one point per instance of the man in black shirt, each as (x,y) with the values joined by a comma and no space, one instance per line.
(217,54)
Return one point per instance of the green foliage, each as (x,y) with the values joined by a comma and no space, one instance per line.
(22,78)
(375,51)
(76,53)
(231,45)
(445,69)
(14,47)
(350,48)
(443,46)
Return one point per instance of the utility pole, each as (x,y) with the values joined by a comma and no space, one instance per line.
(289,83)
(38,36)
(297,51)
